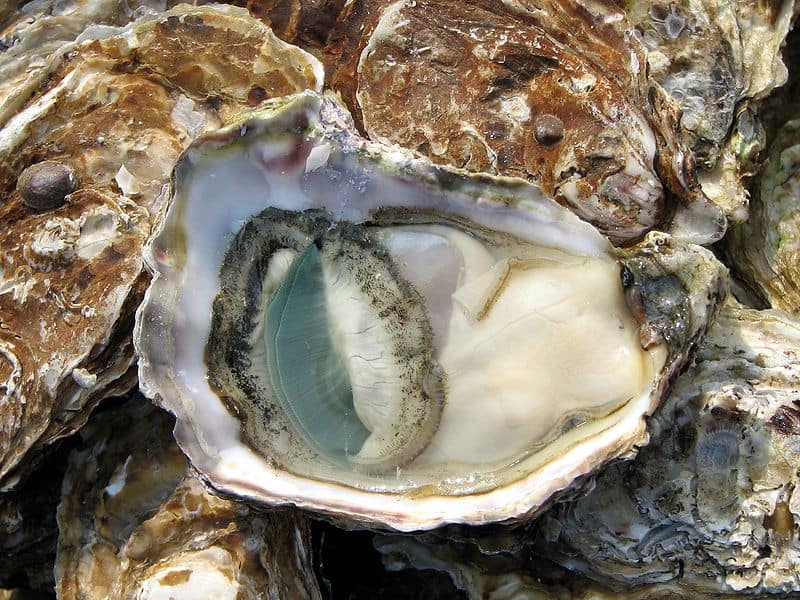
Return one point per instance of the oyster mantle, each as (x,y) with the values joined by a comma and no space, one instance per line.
(486,451)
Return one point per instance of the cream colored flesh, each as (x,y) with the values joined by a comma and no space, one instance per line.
(539,342)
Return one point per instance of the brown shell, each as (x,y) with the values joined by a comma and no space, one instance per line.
(118,110)
(133,522)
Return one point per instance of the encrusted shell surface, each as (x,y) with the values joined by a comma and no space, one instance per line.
(712,503)
(134,523)
(309,145)
(73,91)
(765,248)
(717,60)
(512,69)
(118,106)
(498,569)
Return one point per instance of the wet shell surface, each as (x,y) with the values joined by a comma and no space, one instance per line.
(717,60)
(553,92)
(327,335)
(712,503)
(637,116)
(135,523)
(765,248)
(83,168)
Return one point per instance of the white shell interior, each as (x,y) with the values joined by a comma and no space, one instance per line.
(571,346)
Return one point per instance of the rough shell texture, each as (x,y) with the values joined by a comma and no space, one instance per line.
(496,569)
(134,523)
(31,37)
(118,107)
(136,116)
(594,81)
(712,502)
(323,146)
(510,65)
(765,249)
(717,59)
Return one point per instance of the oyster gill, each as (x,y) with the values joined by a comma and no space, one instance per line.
(425,287)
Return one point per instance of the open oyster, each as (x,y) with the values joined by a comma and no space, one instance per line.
(341,325)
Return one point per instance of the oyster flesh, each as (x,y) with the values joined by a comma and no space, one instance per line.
(357,331)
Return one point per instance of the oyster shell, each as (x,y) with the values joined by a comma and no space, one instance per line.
(712,502)
(134,523)
(118,107)
(717,59)
(28,530)
(555,92)
(764,249)
(400,296)
(506,573)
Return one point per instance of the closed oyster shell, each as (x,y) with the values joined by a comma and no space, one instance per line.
(505,572)
(514,67)
(135,523)
(118,107)
(764,250)
(717,60)
(601,163)
(712,502)
(297,159)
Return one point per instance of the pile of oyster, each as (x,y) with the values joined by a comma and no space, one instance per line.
(326,299)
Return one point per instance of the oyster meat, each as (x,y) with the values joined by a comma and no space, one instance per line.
(397,337)
(357,331)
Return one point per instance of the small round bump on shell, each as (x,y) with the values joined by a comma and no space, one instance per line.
(548,129)
(45,185)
